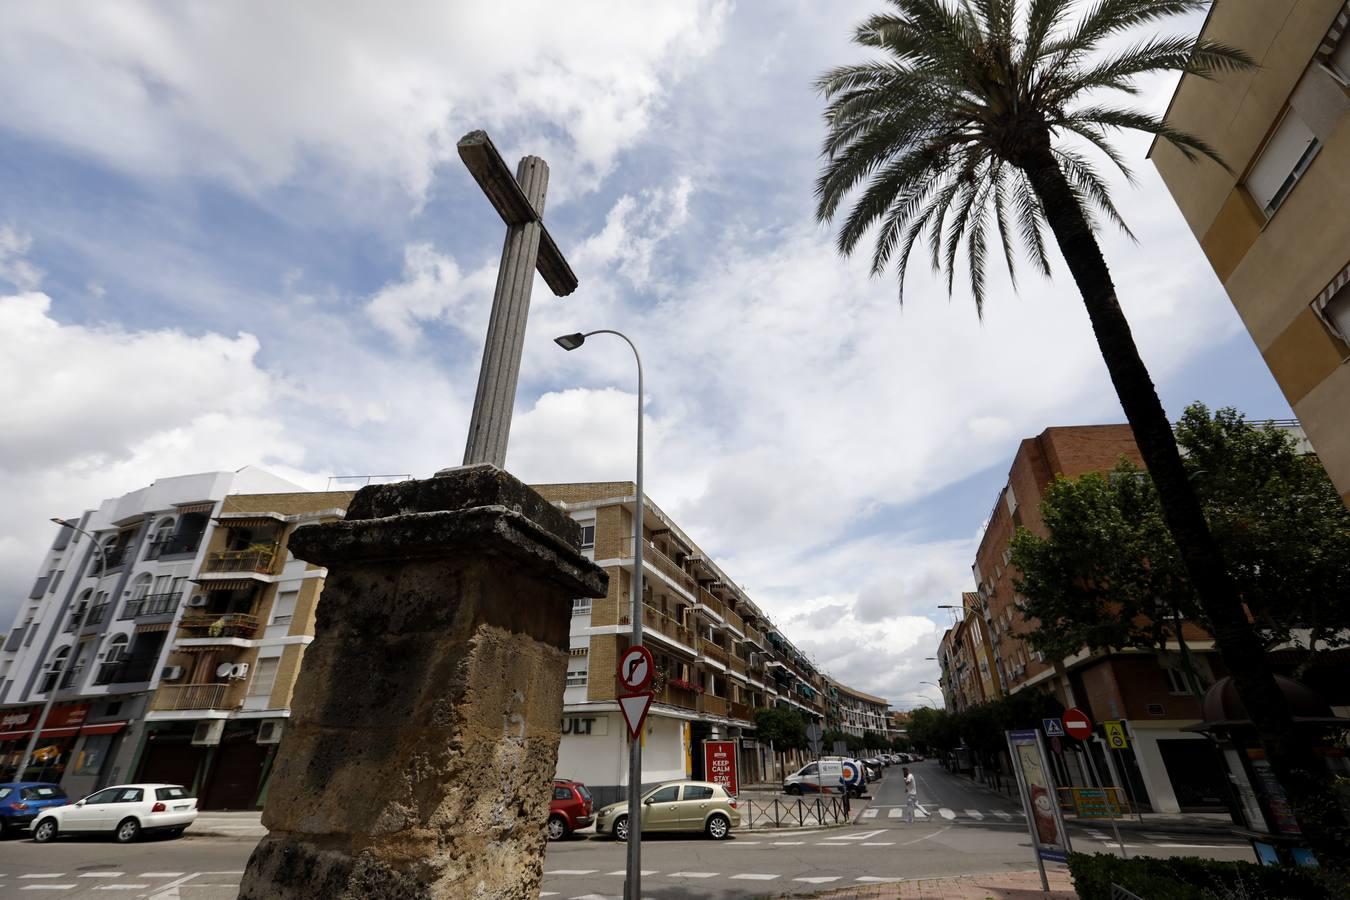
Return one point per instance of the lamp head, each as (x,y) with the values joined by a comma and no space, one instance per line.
(60,521)
(570,341)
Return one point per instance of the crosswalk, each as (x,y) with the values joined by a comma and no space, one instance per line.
(922,813)
(116,882)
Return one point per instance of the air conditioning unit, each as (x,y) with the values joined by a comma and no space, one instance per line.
(171,673)
(198,600)
(269,732)
(208,733)
(240,670)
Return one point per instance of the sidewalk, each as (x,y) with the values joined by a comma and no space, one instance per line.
(999,886)
(247,824)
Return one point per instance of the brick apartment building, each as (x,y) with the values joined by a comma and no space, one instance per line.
(1168,769)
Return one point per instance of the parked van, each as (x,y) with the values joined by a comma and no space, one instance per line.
(826,772)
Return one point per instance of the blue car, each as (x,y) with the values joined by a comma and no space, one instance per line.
(21,801)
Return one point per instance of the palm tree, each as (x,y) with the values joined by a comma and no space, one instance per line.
(982,109)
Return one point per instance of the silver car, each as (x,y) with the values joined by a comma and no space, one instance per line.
(694,806)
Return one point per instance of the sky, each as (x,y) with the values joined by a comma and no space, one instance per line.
(239,234)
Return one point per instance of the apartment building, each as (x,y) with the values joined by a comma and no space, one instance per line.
(1276,229)
(971,673)
(92,635)
(719,657)
(854,712)
(224,695)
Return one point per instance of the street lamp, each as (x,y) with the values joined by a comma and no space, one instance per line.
(632,888)
(70,657)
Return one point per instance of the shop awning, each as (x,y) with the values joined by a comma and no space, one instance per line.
(11,735)
(59,732)
(104,728)
(199,506)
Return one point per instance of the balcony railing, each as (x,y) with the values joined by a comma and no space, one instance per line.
(259,561)
(72,676)
(674,696)
(663,564)
(97,614)
(754,635)
(713,706)
(111,559)
(108,672)
(151,605)
(48,682)
(190,696)
(182,544)
(736,664)
(76,618)
(713,651)
(656,620)
(741,711)
(225,625)
(734,620)
(708,600)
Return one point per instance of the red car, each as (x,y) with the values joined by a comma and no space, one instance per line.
(570,809)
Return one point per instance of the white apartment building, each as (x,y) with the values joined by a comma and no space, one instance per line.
(113,610)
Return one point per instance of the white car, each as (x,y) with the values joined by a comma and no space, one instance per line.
(123,810)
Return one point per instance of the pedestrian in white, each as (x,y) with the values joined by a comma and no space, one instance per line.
(911,796)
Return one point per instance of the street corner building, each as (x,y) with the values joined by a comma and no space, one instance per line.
(187,632)
(1276,229)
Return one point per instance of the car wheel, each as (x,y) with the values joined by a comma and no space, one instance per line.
(794,790)
(44,831)
(127,831)
(557,828)
(718,827)
(621,828)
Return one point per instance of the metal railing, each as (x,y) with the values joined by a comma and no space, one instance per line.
(259,561)
(72,675)
(713,651)
(168,546)
(663,564)
(667,625)
(151,605)
(97,614)
(675,696)
(224,625)
(796,813)
(190,696)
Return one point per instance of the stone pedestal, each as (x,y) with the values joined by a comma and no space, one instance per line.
(419,757)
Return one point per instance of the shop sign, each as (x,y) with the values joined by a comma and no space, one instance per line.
(67,716)
(719,764)
(19,719)
(585,726)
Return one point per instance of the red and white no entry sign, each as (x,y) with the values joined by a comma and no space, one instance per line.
(636,668)
(1077,724)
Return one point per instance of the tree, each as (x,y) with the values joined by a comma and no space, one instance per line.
(1109,574)
(872,741)
(965,115)
(784,727)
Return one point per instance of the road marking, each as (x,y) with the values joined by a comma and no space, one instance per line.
(1002,815)
(874,879)
(102,874)
(788,843)
(572,872)
(47,887)
(1154,836)
(946,814)
(879,844)
(161,875)
(860,836)
(1199,846)
(645,872)
(694,874)
(740,843)
(975,814)
(927,836)
(895,813)
(121,887)
(591,897)
(819,879)
(548,893)
(45,875)
(752,876)
(870,813)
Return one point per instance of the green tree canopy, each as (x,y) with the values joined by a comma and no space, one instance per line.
(784,727)
(1109,574)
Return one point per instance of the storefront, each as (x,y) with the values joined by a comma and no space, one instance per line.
(230,774)
(55,752)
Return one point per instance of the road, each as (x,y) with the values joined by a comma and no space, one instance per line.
(965,830)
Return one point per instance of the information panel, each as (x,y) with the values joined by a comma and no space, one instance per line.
(719,764)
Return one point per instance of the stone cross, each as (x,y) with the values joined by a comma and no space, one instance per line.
(519,200)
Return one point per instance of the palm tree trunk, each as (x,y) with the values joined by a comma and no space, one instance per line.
(1288,749)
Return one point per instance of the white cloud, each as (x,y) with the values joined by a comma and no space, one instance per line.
(432,288)
(14,265)
(254,94)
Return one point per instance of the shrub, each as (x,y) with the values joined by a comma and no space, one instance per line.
(1192,878)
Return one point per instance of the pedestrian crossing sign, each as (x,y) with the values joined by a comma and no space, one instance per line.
(1053,727)
(1115,734)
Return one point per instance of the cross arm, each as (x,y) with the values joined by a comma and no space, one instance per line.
(488,168)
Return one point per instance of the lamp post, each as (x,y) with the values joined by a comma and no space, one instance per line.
(70,657)
(632,887)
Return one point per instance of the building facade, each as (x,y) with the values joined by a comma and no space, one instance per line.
(853,712)
(718,656)
(1276,229)
(224,695)
(92,636)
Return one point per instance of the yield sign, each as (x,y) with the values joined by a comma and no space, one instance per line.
(1077,724)
(634,708)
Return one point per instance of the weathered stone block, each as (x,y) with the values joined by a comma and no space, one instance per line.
(424,732)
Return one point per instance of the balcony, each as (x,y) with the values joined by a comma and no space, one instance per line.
(734,621)
(248,561)
(678,696)
(663,564)
(97,614)
(171,697)
(72,676)
(111,559)
(742,711)
(151,605)
(713,651)
(708,600)
(655,620)
(224,625)
(754,635)
(736,664)
(713,705)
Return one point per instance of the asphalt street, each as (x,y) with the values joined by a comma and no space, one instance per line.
(965,830)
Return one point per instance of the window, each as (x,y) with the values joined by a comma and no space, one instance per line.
(809,770)
(89,761)
(562,793)
(105,796)
(171,793)
(284,607)
(264,677)
(587,536)
(665,795)
(581,606)
(130,795)
(576,678)
(697,792)
(1333,307)
(1010,499)
(5,792)
(1282,162)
